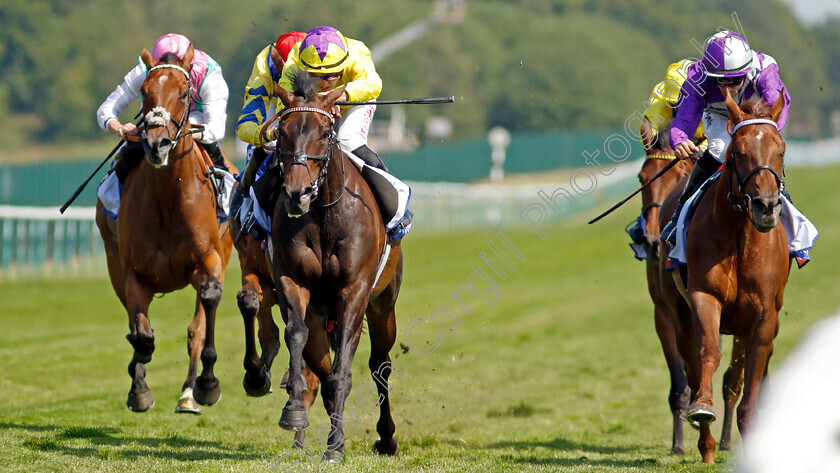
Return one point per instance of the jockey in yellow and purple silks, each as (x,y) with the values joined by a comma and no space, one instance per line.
(343,62)
(662,105)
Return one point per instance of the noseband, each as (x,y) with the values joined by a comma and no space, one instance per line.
(301,158)
(744,205)
(160,116)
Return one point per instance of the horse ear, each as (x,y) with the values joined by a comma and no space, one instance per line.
(285,95)
(276,59)
(186,62)
(778,106)
(146,56)
(646,135)
(334,95)
(735,112)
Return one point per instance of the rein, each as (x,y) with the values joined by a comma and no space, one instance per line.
(746,201)
(301,158)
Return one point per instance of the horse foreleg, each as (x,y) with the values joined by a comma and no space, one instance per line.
(142,339)
(348,331)
(705,311)
(293,302)
(257,380)
(733,382)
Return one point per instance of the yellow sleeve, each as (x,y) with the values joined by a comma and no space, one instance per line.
(258,95)
(360,77)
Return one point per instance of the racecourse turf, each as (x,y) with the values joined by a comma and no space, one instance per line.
(555,367)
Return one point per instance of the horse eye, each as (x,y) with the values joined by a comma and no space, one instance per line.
(185,95)
(325,136)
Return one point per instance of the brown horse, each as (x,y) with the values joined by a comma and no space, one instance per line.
(659,153)
(328,238)
(255,300)
(737,265)
(167,236)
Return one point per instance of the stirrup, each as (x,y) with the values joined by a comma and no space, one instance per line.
(403,227)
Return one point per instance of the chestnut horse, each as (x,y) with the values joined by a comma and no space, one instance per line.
(167,235)
(255,300)
(737,265)
(328,239)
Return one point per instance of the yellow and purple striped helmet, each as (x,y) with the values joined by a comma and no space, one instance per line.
(323,50)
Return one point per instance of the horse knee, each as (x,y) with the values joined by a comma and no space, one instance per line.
(248,302)
(210,292)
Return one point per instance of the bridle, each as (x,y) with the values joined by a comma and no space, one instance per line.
(746,201)
(160,116)
(301,158)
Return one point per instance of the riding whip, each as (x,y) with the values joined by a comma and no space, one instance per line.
(84,184)
(657,176)
(421,101)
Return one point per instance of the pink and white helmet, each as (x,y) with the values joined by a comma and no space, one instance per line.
(727,54)
(170,43)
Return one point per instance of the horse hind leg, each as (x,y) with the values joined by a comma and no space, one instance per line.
(679,392)
(383,334)
(733,382)
(257,379)
(208,391)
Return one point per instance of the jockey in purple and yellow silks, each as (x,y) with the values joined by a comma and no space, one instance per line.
(209,104)
(342,62)
(728,64)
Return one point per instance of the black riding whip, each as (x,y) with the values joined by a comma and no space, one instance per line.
(84,184)
(657,176)
(422,101)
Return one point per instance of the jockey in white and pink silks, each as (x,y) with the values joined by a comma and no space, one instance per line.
(728,63)
(208,106)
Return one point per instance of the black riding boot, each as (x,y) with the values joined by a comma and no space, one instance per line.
(127,158)
(386,196)
(705,167)
(216,155)
(249,175)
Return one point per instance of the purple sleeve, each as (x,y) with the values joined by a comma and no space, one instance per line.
(690,109)
(770,85)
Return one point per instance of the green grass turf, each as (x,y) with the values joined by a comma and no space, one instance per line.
(561,371)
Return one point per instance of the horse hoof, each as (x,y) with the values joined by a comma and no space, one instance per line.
(724,446)
(140,401)
(393,449)
(701,413)
(677,451)
(294,420)
(208,396)
(260,391)
(332,456)
(187,405)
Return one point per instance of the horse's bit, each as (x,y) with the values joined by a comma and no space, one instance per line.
(300,158)
(744,206)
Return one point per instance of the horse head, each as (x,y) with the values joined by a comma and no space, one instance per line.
(756,146)
(166,104)
(306,141)
(658,153)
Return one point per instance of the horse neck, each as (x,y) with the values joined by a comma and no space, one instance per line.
(171,183)
(334,182)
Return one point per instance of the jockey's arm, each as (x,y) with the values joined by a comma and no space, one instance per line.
(214,97)
(125,93)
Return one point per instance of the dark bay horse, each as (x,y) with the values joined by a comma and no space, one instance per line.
(658,153)
(255,300)
(737,265)
(328,238)
(167,235)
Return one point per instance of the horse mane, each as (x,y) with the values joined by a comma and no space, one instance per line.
(756,107)
(169,58)
(304,84)
(662,140)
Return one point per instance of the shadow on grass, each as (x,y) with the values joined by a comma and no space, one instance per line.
(560,443)
(108,440)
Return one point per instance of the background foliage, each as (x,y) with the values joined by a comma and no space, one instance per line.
(527,65)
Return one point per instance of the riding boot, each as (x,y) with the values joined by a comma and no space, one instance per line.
(127,158)
(249,175)
(705,167)
(216,155)
(387,197)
